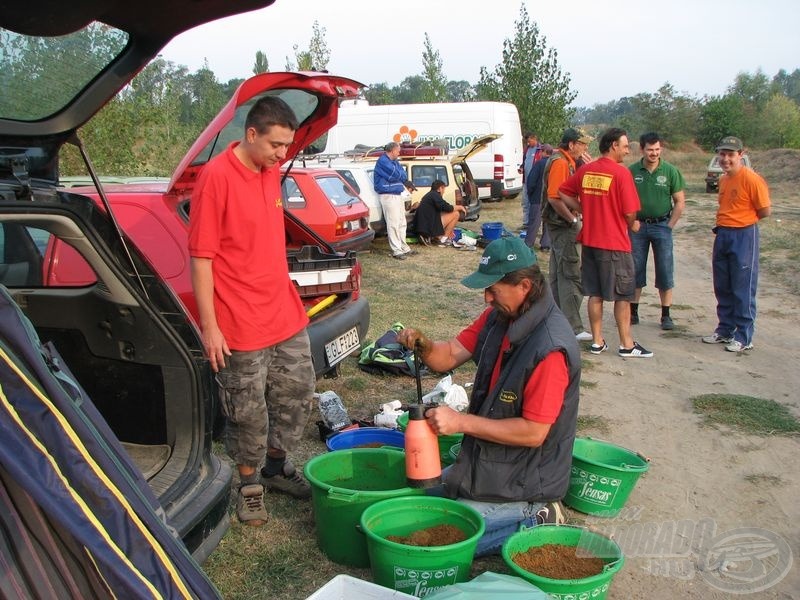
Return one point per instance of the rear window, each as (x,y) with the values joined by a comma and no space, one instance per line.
(424,175)
(337,190)
(302,103)
(348,177)
(36,80)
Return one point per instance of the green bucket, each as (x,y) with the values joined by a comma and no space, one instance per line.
(446,442)
(343,484)
(602,477)
(419,570)
(594,544)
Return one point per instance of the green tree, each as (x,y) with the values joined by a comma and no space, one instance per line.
(410,90)
(434,87)
(721,116)
(787,84)
(460,91)
(529,76)
(779,125)
(754,89)
(314,58)
(379,93)
(262,64)
(674,116)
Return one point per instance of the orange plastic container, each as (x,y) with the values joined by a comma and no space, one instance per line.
(423,466)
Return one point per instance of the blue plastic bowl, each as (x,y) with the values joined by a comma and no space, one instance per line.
(366,437)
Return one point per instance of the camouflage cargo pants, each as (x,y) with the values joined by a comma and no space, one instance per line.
(266,398)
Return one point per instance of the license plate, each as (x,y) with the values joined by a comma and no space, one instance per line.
(340,348)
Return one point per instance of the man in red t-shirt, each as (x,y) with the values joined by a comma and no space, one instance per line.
(252,321)
(515,457)
(605,193)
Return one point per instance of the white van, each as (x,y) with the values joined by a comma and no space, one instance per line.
(495,170)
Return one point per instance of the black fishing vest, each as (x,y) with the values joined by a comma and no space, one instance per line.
(490,472)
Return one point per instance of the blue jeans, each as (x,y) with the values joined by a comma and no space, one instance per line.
(502,519)
(735,266)
(659,236)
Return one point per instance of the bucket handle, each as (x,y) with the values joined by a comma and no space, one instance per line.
(342,495)
(623,465)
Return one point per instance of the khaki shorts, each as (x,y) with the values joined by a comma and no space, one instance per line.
(608,274)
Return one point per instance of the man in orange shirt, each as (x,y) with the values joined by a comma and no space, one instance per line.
(743,202)
(563,226)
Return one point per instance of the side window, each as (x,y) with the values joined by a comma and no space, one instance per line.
(33,257)
(292,196)
(20,256)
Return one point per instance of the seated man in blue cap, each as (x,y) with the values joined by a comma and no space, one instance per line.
(515,459)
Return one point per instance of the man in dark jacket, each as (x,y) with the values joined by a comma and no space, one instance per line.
(515,458)
(534,183)
(435,218)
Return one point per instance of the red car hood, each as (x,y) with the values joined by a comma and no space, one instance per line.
(328,90)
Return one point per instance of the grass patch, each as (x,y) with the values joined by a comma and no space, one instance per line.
(593,422)
(746,413)
(764,479)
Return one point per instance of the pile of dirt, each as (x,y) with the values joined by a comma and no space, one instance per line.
(780,167)
(438,535)
(557,561)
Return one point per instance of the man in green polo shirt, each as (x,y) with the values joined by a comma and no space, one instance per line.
(660,186)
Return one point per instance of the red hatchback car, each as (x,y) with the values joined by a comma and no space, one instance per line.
(325,202)
(154,213)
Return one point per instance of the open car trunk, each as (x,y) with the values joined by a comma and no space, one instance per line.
(130,346)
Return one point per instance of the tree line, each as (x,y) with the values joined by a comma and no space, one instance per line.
(148,127)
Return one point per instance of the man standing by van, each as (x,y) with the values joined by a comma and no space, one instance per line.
(563,225)
(392,185)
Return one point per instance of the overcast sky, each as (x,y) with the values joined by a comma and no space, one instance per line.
(610,49)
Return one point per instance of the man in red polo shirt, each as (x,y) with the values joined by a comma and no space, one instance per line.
(252,320)
(605,193)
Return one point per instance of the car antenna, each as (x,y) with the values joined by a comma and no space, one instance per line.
(78,143)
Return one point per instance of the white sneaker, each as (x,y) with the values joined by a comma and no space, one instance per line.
(584,336)
(716,338)
(737,346)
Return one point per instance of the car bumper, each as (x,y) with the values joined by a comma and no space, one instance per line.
(332,323)
(202,518)
(473,212)
(360,242)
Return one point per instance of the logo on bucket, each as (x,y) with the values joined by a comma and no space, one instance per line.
(421,583)
(597,489)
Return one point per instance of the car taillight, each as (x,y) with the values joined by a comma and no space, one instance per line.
(348,226)
(459,196)
(499,170)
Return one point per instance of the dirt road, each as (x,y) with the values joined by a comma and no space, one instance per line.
(717,514)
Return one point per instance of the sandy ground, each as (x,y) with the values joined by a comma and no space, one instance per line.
(717,513)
